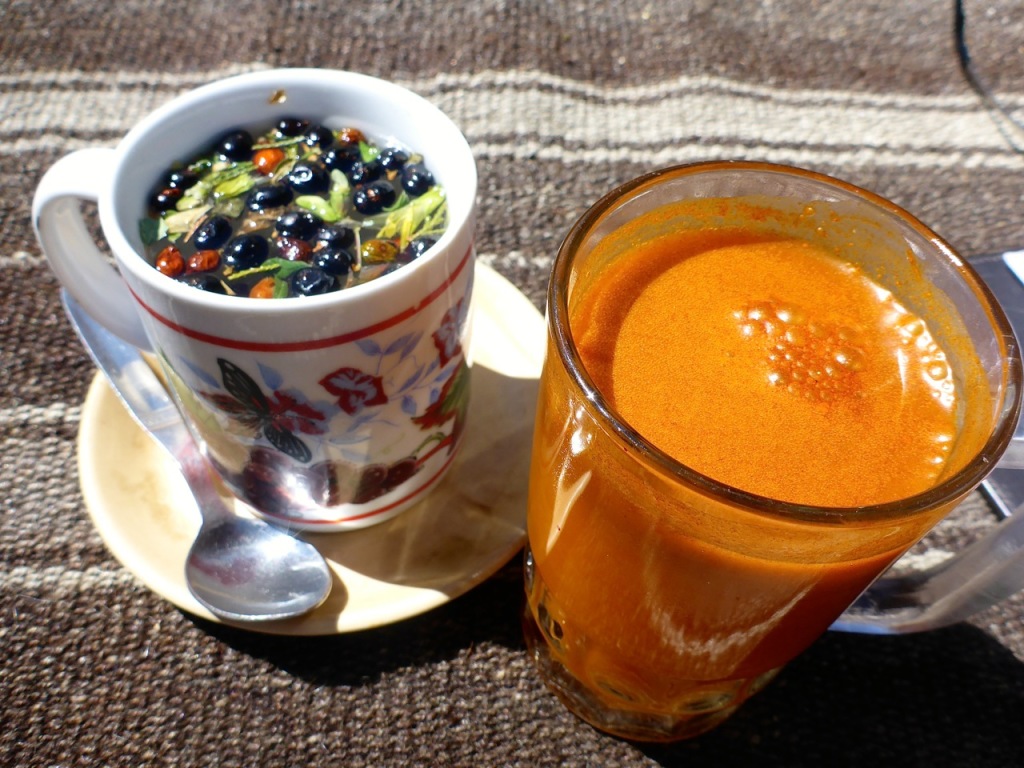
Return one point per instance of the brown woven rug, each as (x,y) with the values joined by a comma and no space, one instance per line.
(560,101)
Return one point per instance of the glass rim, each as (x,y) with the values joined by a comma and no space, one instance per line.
(954,487)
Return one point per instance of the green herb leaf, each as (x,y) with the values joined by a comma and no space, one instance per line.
(179,222)
(367,152)
(286,142)
(232,207)
(283,269)
(288,268)
(233,187)
(229,171)
(340,191)
(149,231)
(281,288)
(195,195)
(411,220)
(286,165)
(201,166)
(319,206)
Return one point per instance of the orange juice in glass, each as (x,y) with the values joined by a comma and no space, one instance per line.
(762,386)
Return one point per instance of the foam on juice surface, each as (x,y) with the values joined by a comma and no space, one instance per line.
(780,370)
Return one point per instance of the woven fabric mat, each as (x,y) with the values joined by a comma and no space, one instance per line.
(560,100)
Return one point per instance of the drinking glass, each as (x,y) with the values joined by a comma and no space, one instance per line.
(659,598)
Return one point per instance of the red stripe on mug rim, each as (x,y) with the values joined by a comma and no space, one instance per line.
(302,346)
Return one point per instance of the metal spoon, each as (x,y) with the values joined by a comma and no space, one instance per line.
(240,569)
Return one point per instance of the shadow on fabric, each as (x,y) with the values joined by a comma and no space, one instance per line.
(949,697)
(488,614)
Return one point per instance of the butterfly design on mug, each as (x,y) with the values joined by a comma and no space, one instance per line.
(277,416)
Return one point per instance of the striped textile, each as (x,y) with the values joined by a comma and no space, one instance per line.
(560,101)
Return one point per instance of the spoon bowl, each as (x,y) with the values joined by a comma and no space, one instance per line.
(239,572)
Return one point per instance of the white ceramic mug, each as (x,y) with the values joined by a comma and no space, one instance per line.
(323,412)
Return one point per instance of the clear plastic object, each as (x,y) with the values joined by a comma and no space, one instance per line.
(992,568)
(986,573)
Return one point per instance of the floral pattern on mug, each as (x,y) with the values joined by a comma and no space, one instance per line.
(392,380)
(447,337)
(354,389)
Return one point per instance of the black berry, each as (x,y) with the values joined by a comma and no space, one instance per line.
(246,251)
(363,173)
(335,235)
(341,158)
(392,158)
(292,126)
(313,281)
(300,224)
(309,178)
(212,234)
(236,145)
(165,199)
(416,179)
(181,178)
(318,136)
(418,247)
(373,198)
(333,260)
(204,282)
(268,196)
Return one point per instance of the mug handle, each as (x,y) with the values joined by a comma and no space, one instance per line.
(70,248)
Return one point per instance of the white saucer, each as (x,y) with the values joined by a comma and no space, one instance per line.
(462,533)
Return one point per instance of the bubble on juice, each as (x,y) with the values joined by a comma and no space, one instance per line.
(943,447)
(928,359)
(811,359)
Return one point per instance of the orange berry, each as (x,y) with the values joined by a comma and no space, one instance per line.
(264,289)
(350,136)
(170,262)
(203,261)
(266,160)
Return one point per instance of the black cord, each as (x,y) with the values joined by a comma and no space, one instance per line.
(1001,115)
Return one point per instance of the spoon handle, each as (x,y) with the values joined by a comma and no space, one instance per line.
(149,403)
